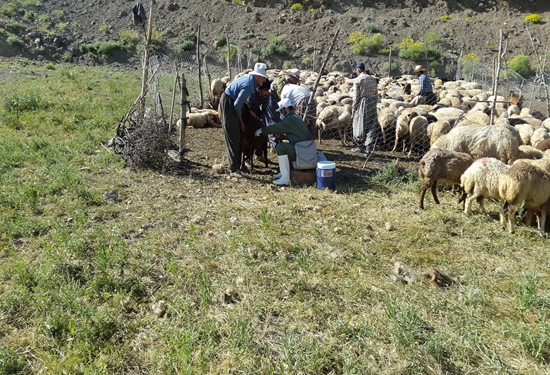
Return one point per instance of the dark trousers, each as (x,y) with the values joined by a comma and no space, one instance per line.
(232,131)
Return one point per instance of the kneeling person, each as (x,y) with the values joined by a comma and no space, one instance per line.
(294,130)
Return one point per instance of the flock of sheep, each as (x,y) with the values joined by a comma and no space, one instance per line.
(508,160)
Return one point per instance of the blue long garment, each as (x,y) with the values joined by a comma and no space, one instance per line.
(240,89)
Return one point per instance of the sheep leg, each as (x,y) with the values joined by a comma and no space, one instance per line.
(425,186)
(341,136)
(529,217)
(511,217)
(264,153)
(481,205)
(501,215)
(395,146)
(434,192)
(542,221)
(320,132)
(468,205)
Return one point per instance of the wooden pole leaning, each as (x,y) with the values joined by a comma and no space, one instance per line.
(319,75)
(146,60)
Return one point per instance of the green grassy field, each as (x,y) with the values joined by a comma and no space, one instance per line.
(195,273)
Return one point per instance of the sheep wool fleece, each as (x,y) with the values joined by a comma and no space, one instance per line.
(296,131)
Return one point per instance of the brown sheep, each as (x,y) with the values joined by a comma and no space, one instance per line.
(439,165)
(249,142)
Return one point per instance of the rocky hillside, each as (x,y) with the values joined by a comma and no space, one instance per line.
(102,31)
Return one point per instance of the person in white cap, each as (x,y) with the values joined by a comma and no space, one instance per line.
(231,103)
(425,94)
(295,130)
(298,95)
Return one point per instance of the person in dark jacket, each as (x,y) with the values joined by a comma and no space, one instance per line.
(294,130)
(231,103)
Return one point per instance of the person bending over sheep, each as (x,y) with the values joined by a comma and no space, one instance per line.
(263,102)
(363,110)
(299,97)
(425,94)
(295,130)
(231,102)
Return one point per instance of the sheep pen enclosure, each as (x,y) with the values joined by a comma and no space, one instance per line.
(461,103)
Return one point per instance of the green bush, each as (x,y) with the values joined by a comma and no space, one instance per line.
(533,18)
(297,7)
(14,41)
(58,14)
(101,48)
(276,46)
(356,36)
(62,27)
(221,40)
(29,15)
(369,45)
(14,27)
(409,49)
(248,35)
(433,54)
(10,363)
(306,62)
(8,10)
(129,38)
(445,18)
(50,66)
(521,64)
(28,101)
(232,52)
(431,37)
(188,45)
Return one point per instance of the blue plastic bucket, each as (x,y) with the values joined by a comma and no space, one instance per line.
(326,175)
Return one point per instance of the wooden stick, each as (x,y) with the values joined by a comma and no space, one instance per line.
(146,59)
(201,100)
(209,77)
(176,82)
(183,114)
(501,52)
(228,55)
(389,68)
(320,72)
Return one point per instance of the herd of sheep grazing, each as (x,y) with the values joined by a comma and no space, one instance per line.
(508,160)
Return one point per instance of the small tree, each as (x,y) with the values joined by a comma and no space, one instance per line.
(521,65)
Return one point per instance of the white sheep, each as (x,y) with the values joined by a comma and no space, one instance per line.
(525,133)
(497,141)
(200,120)
(539,135)
(525,183)
(418,132)
(437,129)
(480,181)
(335,117)
(217,87)
(402,129)
(529,152)
(387,121)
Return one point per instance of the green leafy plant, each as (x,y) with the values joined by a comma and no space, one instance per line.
(469,18)
(156,37)
(533,18)
(313,10)
(220,40)
(368,45)
(297,7)
(445,18)
(103,27)
(521,64)
(129,38)
(67,57)
(29,15)
(62,26)
(356,36)
(58,14)
(14,41)
(232,52)
(276,46)
(50,66)
(431,37)
(8,10)
(248,35)
(409,49)
(188,45)
(371,28)
(101,48)
(239,2)
(306,62)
